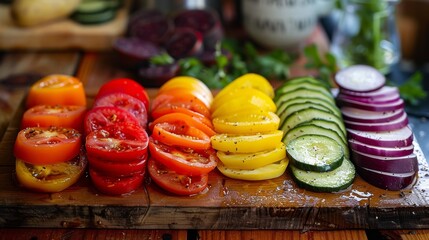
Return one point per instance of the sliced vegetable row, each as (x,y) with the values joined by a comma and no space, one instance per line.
(379,137)
(314,135)
(48,149)
(96,11)
(248,140)
(181,153)
(116,137)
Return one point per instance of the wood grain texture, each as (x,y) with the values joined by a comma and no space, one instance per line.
(62,34)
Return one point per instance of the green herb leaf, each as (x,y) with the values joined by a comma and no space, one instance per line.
(412,90)
(326,65)
(162,59)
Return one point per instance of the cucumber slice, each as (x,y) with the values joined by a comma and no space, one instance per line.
(332,181)
(299,92)
(312,129)
(94,18)
(328,125)
(315,153)
(308,114)
(288,88)
(325,103)
(96,6)
(291,109)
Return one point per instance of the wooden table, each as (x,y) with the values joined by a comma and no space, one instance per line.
(275,209)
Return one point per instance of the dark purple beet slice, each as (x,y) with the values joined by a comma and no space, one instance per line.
(208,57)
(155,29)
(133,52)
(204,21)
(143,15)
(156,75)
(184,42)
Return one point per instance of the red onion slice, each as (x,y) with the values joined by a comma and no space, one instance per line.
(365,116)
(386,180)
(396,124)
(375,100)
(377,107)
(380,151)
(402,137)
(405,164)
(382,92)
(360,78)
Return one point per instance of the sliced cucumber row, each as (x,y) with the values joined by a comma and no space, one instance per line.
(314,134)
(96,11)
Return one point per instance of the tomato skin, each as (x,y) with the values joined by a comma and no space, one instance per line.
(47,145)
(175,183)
(125,102)
(181,135)
(117,169)
(60,116)
(103,117)
(37,178)
(120,143)
(185,100)
(127,86)
(56,90)
(184,161)
(116,186)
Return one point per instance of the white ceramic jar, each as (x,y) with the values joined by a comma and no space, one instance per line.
(282,24)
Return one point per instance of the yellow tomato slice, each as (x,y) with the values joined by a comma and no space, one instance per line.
(249,80)
(235,93)
(253,160)
(235,143)
(269,171)
(247,122)
(243,103)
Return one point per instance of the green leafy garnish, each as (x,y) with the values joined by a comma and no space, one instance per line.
(326,65)
(162,59)
(412,90)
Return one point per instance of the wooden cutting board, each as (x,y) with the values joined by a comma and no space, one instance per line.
(63,34)
(227,204)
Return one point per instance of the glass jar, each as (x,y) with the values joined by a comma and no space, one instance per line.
(367,34)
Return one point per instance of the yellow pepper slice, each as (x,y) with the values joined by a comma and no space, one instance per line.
(269,171)
(235,93)
(245,102)
(249,80)
(247,122)
(235,143)
(253,160)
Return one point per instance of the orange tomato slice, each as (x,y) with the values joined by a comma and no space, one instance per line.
(57,115)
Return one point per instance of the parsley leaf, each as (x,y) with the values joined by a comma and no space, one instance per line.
(412,90)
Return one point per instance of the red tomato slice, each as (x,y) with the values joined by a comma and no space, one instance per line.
(186,100)
(47,145)
(114,185)
(166,109)
(56,89)
(102,117)
(57,115)
(127,86)
(176,183)
(181,119)
(126,102)
(118,143)
(184,160)
(181,134)
(117,169)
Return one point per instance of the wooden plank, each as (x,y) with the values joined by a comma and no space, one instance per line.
(62,34)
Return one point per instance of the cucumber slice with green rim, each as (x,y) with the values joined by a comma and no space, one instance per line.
(332,181)
(310,114)
(288,88)
(328,125)
(303,79)
(291,109)
(311,129)
(325,103)
(299,92)
(315,153)
(94,18)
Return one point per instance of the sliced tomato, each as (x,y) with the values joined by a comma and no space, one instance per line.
(175,183)
(269,171)
(126,102)
(118,143)
(116,186)
(51,177)
(186,100)
(190,83)
(54,115)
(181,118)
(251,122)
(102,117)
(183,160)
(127,86)
(117,169)
(185,89)
(56,90)
(236,143)
(181,134)
(47,145)
(166,109)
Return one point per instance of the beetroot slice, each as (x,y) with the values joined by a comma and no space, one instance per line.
(156,75)
(386,180)
(155,29)
(396,124)
(405,164)
(365,116)
(134,52)
(184,42)
(143,15)
(380,151)
(360,78)
(402,137)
